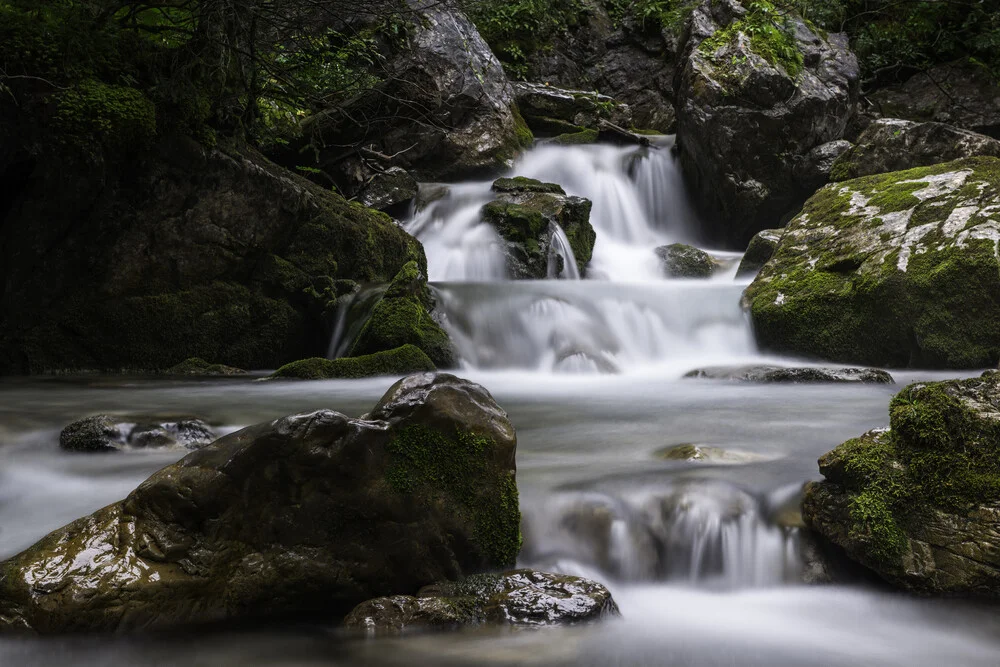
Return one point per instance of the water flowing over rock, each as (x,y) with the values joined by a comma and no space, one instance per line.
(963,94)
(756,92)
(106,433)
(897,270)
(518,598)
(309,514)
(445,108)
(919,503)
(890,144)
(783,374)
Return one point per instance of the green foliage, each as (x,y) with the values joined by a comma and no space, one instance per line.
(769,33)
(652,15)
(118,116)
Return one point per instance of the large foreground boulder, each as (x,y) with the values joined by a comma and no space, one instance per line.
(898,269)
(757,90)
(542,227)
(518,598)
(309,514)
(891,144)
(919,503)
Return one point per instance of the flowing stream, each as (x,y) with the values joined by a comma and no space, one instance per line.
(704,558)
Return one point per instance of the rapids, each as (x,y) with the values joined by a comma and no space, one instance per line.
(701,556)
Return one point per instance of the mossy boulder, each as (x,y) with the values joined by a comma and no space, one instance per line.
(306,515)
(896,270)
(198,366)
(758,89)
(576,138)
(890,144)
(403,317)
(515,598)
(918,503)
(528,215)
(761,248)
(683,261)
(400,361)
(107,433)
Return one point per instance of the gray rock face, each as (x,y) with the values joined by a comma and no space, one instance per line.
(748,114)
(445,108)
(518,598)
(550,110)
(959,94)
(388,189)
(311,513)
(762,246)
(813,171)
(891,144)
(919,503)
(782,374)
(684,261)
(104,433)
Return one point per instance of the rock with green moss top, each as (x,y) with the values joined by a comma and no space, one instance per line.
(198,366)
(757,91)
(529,215)
(890,270)
(309,514)
(540,104)
(516,598)
(403,317)
(761,248)
(683,261)
(576,138)
(400,361)
(919,503)
(891,144)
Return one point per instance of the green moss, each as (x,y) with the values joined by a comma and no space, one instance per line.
(400,361)
(769,33)
(118,116)
(523,184)
(515,222)
(198,366)
(461,467)
(582,137)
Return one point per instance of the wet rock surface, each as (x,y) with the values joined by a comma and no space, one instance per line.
(761,248)
(309,514)
(107,433)
(549,110)
(784,374)
(683,261)
(517,598)
(196,366)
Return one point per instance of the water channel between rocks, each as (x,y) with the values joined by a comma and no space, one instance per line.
(702,557)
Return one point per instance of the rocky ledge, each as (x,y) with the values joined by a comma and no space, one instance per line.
(783,374)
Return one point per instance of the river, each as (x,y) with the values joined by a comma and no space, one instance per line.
(700,556)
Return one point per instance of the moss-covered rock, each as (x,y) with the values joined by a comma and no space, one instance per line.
(576,138)
(896,269)
(919,503)
(198,366)
(517,598)
(761,248)
(309,514)
(528,215)
(400,361)
(683,261)
(403,317)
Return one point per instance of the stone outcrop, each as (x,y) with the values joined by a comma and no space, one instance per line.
(892,270)
(777,374)
(757,91)
(107,433)
(308,514)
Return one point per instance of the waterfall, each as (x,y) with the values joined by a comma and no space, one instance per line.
(562,262)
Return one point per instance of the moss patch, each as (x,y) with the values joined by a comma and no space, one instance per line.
(769,33)
(400,361)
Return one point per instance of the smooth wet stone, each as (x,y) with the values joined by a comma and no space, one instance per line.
(106,433)
(517,598)
(683,261)
(310,514)
(782,374)
(761,248)
(692,452)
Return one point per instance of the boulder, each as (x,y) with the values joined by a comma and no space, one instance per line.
(310,514)
(897,269)
(400,318)
(443,109)
(551,110)
(516,598)
(388,189)
(762,246)
(106,433)
(757,90)
(918,503)
(784,374)
(197,366)
(529,215)
(400,361)
(891,144)
(684,261)
(813,170)
(963,94)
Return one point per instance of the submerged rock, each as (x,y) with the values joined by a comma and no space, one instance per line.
(684,261)
(402,317)
(526,215)
(106,433)
(197,366)
(757,91)
(308,514)
(400,361)
(760,250)
(896,269)
(783,374)
(518,597)
(919,503)
(691,452)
